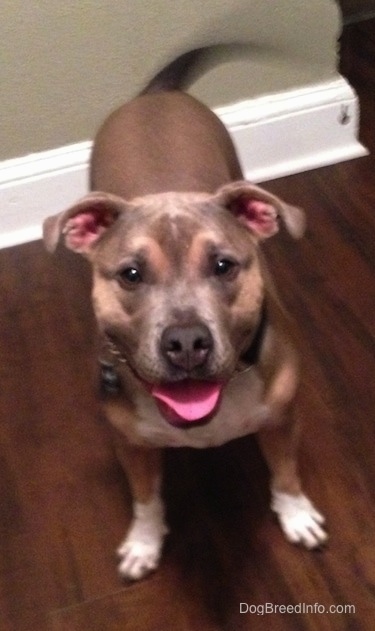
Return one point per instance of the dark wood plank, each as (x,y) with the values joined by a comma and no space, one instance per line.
(64,500)
(156,604)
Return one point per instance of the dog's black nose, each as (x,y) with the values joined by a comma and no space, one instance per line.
(187,346)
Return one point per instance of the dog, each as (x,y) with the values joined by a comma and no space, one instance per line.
(188,317)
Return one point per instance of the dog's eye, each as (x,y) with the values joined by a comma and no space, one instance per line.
(129,276)
(225,267)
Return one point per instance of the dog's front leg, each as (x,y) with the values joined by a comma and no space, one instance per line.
(299,519)
(141,549)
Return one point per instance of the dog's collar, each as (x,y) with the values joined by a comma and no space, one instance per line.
(114,350)
(251,355)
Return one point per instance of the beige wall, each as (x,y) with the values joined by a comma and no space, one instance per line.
(65,64)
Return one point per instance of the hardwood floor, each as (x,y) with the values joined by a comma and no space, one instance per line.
(64,500)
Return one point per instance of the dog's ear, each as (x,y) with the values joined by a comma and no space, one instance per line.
(259,210)
(83,223)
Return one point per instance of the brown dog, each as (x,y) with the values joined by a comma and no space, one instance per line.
(185,307)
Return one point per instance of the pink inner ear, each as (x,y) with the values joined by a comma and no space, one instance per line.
(86,227)
(257,215)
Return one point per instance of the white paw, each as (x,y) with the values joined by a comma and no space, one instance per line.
(299,519)
(140,552)
(139,558)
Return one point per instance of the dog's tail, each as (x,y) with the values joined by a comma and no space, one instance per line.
(183,70)
(178,74)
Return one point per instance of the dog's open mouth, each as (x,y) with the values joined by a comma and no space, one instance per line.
(188,401)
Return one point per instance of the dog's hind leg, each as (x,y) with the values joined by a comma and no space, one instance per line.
(141,549)
(299,519)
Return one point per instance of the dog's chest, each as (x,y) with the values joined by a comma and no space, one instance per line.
(241,412)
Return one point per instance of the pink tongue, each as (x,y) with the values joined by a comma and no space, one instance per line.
(188,400)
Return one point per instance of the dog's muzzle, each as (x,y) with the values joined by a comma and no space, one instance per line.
(187,350)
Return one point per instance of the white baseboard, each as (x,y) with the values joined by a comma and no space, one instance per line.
(295,131)
(275,135)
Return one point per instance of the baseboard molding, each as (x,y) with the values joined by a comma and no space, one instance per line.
(296,131)
(275,135)
(36,186)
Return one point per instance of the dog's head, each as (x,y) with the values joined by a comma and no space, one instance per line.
(177,278)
